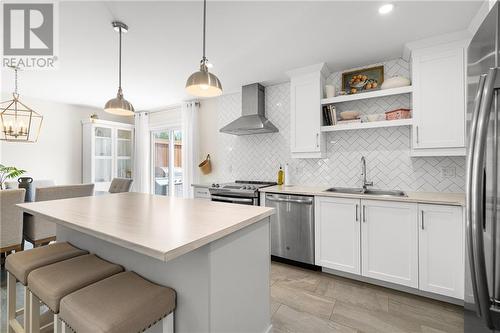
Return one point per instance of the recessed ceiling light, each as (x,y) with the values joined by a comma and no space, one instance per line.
(385,9)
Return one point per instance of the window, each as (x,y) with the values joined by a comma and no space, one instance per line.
(167,162)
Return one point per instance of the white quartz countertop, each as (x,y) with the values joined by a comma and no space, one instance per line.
(157,226)
(455,199)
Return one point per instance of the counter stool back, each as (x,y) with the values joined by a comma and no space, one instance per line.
(19,265)
(124,302)
(49,284)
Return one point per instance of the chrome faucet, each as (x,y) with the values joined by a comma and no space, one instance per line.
(363,174)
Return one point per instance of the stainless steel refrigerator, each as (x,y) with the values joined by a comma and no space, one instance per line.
(482,276)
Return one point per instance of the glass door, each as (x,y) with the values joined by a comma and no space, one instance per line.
(124,153)
(103,155)
(167,162)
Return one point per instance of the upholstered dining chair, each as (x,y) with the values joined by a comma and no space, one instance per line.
(39,231)
(120,185)
(11,221)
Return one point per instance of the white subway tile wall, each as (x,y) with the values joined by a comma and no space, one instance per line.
(387,150)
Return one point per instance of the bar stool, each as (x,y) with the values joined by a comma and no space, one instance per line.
(19,265)
(51,283)
(123,303)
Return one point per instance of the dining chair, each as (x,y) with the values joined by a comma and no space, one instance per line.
(120,185)
(40,231)
(11,221)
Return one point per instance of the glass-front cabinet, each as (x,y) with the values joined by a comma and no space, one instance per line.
(107,152)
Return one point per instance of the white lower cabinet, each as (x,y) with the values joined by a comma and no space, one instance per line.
(441,250)
(415,245)
(389,241)
(338,234)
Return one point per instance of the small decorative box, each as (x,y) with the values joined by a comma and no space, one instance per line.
(398,114)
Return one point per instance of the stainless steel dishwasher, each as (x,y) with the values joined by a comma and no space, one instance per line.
(292,227)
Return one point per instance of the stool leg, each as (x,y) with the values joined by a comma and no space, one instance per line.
(11,301)
(57,324)
(34,314)
(168,323)
(27,310)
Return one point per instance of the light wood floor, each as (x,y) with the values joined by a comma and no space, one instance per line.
(304,301)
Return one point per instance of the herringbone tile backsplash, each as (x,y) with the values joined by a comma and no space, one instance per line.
(387,150)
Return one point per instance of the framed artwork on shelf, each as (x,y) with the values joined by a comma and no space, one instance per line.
(362,80)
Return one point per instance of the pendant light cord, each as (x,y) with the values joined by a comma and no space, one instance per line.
(204,60)
(120,60)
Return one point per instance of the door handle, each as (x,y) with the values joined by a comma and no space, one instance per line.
(317,140)
(357,207)
(307,202)
(364,213)
(476,196)
(468,184)
(422,219)
(418,140)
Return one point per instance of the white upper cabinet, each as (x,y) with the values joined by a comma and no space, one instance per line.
(389,242)
(306,91)
(337,233)
(439,100)
(441,250)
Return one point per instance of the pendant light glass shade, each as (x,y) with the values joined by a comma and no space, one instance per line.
(203,83)
(18,122)
(119,105)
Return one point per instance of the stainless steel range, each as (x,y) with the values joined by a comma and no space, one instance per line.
(244,192)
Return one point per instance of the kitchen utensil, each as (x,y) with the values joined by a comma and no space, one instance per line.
(206,166)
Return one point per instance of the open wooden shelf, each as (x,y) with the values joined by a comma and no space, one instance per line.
(366,95)
(373,124)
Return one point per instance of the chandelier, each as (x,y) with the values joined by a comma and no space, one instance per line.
(18,122)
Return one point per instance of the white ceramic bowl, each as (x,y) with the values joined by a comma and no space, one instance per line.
(395,82)
(348,115)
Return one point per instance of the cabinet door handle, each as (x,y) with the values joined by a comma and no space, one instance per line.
(357,212)
(418,139)
(317,140)
(364,213)
(422,219)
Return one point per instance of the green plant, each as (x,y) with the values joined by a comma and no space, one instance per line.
(9,172)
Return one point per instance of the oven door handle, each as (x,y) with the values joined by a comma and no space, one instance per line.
(232,199)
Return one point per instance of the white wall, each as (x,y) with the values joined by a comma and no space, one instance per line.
(209,130)
(387,150)
(57,154)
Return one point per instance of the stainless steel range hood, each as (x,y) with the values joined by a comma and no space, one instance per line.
(252,120)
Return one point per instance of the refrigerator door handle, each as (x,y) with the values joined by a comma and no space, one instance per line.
(468,184)
(476,197)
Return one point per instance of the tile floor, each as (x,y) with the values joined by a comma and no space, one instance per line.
(304,301)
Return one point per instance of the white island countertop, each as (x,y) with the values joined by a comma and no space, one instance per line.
(454,199)
(160,227)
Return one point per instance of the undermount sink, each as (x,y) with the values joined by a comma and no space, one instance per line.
(359,190)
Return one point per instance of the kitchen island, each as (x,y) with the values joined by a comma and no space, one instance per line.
(215,255)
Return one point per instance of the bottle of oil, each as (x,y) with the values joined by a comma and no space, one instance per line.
(281,176)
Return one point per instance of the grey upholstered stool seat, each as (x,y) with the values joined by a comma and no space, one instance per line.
(123,303)
(51,283)
(19,265)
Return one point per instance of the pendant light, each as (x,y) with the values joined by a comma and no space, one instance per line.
(203,83)
(18,122)
(119,105)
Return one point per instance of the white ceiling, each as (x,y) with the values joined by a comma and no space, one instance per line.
(246,41)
